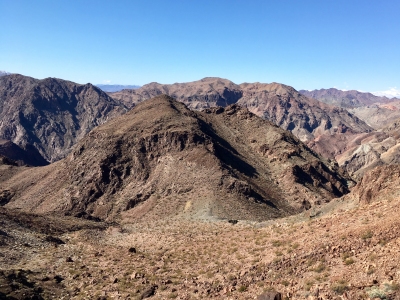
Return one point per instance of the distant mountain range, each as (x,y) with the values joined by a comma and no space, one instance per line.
(278,103)
(346,99)
(3,73)
(376,111)
(116,87)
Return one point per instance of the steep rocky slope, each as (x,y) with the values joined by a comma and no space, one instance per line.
(281,104)
(163,160)
(51,115)
(378,184)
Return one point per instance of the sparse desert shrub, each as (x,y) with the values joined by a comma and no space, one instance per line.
(173,295)
(394,286)
(349,261)
(370,271)
(375,292)
(340,287)
(373,257)
(285,282)
(277,243)
(346,255)
(242,288)
(319,268)
(308,285)
(311,261)
(367,235)
(383,242)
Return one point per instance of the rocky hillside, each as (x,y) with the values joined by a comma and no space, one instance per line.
(346,249)
(51,115)
(378,184)
(281,104)
(163,160)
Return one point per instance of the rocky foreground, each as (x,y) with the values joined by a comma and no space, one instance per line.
(346,250)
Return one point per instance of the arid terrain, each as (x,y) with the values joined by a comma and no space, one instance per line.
(348,249)
(224,201)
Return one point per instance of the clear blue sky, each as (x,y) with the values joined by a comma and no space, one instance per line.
(349,44)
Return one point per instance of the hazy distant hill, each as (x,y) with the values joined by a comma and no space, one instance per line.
(116,87)
(346,99)
(3,73)
(376,111)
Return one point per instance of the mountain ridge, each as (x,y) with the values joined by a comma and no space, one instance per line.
(307,118)
(161,157)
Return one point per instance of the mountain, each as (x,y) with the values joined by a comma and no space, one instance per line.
(162,160)
(346,99)
(378,116)
(305,117)
(281,104)
(51,115)
(376,111)
(116,87)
